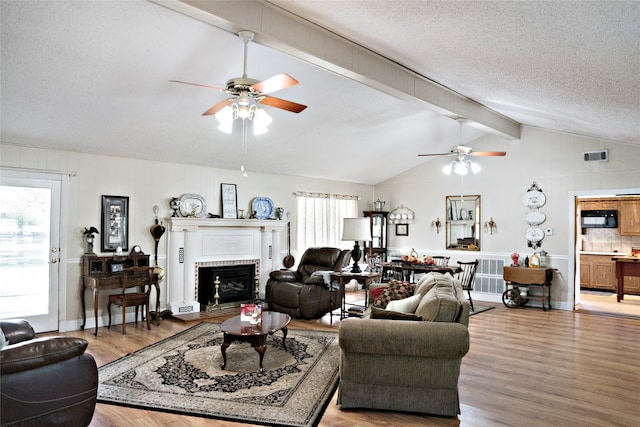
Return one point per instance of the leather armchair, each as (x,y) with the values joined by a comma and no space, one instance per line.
(300,293)
(47,381)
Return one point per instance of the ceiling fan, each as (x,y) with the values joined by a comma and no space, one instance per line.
(243,88)
(462,150)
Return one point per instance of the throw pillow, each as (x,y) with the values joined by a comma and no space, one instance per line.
(375,292)
(3,339)
(395,290)
(381,313)
(407,305)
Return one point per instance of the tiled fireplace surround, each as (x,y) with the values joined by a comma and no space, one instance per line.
(200,241)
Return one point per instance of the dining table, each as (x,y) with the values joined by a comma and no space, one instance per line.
(409,269)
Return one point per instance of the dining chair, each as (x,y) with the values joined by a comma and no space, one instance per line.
(441,261)
(467,276)
(398,271)
(143,276)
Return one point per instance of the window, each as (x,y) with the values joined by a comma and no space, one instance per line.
(320,216)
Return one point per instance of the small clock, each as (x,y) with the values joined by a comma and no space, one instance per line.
(136,250)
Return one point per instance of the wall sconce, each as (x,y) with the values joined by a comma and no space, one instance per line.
(436,224)
(490,225)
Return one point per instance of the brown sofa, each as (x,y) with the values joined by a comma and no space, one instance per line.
(303,294)
(48,381)
(407,365)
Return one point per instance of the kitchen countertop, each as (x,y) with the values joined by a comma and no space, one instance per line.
(603,253)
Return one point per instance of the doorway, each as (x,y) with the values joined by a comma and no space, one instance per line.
(30,248)
(597,246)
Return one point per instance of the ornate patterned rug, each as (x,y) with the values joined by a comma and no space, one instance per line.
(181,374)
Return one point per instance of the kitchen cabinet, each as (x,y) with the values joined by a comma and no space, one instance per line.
(629,217)
(598,204)
(597,272)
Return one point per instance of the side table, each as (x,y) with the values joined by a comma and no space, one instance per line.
(365,279)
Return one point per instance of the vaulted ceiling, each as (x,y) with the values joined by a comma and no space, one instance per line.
(383,79)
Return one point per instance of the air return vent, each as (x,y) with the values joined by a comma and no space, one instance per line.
(596,156)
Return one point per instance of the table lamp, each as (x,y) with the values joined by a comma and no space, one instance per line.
(356,229)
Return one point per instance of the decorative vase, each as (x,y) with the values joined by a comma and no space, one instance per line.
(515,261)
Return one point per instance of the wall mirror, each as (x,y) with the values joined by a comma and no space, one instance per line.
(463,223)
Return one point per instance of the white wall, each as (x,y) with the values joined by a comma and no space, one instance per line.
(147,184)
(552,159)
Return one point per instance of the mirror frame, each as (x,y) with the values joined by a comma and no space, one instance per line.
(454,222)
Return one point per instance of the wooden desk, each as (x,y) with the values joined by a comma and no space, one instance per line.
(625,266)
(97,276)
(363,278)
(530,277)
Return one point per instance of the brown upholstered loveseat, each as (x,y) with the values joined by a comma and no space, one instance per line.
(47,381)
(407,365)
(303,294)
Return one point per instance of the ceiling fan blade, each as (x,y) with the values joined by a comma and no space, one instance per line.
(219,106)
(436,154)
(283,104)
(200,85)
(488,153)
(272,84)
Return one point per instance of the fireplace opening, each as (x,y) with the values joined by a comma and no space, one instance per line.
(237,284)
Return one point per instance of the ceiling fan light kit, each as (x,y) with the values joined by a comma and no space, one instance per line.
(460,166)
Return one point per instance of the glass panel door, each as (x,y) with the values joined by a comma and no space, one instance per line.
(29,250)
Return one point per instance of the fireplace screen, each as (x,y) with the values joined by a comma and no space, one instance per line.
(236,284)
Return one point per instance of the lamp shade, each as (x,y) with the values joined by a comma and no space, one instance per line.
(356,229)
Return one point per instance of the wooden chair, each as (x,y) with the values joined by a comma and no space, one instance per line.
(467,277)
(143,275)
(398,271)
(441,261)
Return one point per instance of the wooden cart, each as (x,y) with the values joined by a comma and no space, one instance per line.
(517,279)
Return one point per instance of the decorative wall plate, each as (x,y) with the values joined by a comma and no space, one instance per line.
(535,217)
(535,234)
(263,207)
(534,199)
(192,205)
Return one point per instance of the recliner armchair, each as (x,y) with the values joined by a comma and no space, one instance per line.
(302,294)
(47,381)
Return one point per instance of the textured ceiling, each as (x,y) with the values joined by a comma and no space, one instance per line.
(93,77)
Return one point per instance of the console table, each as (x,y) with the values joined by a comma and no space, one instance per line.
(106,272)
(625,266)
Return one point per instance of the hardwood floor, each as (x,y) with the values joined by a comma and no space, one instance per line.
(525,367)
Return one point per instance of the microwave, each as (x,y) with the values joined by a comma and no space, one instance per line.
(599,219)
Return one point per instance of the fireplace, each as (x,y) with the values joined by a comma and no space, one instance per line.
(212,242)
(236,285)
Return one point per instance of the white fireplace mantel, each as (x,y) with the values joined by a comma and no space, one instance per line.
(195,240)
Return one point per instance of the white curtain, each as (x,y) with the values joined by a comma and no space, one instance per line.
(320,217)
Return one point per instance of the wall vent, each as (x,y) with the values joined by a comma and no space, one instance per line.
(596,156)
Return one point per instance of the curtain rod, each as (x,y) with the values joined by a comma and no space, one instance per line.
(11,168)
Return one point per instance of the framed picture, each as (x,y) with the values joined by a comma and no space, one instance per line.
(115,223)
(402,229)
(229,198)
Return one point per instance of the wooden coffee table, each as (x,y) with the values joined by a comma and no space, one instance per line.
(236,330)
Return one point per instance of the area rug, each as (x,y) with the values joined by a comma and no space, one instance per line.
(479,309)
(182,374)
